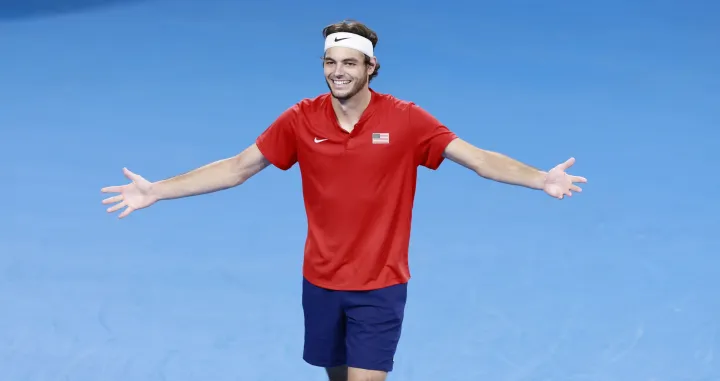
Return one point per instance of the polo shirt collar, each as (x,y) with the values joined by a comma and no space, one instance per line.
(369,110)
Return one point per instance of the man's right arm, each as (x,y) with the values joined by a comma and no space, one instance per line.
(213,177)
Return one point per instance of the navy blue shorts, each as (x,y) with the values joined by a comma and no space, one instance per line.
(360,329)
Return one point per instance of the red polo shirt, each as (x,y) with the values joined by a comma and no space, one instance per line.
(358,187)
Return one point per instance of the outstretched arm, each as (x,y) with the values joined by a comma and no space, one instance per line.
(494,166)
(498,167)
(141,193)
(216,176)
(276,145)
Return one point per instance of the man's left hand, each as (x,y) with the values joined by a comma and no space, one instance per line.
(559,184)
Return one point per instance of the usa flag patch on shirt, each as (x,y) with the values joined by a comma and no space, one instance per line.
(380,138)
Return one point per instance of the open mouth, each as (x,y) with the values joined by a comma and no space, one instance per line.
(341,83)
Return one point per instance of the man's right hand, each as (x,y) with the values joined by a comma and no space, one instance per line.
(222,174)
(136,195)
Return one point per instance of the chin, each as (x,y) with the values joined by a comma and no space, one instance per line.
(342,95)
(347,91)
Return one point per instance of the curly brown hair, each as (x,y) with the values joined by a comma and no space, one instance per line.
(355,27)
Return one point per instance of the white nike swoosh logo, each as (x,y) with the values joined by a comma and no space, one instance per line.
(319,140)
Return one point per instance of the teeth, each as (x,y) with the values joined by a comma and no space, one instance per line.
(341,82)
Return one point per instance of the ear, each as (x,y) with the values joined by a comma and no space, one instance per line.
(371,66)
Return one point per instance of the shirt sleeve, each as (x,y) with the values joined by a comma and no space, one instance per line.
(278,143)
(433,137)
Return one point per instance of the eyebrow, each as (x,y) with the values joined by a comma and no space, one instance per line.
(345,60)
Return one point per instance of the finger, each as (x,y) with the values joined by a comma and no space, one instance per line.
(575,188)
(568,163)
(126,212)
(113,199)
(578,179)
(116,207)
(112,189)
(130,175)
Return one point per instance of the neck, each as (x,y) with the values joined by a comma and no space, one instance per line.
(348,111)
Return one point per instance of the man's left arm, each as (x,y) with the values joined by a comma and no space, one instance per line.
(498,167)
(436,142)
(493,165)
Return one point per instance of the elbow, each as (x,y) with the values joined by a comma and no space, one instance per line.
(490,165)
(236,173)
(478,163)
(236,180)
(239,176)
(477,167)
(242,177)
(244,166)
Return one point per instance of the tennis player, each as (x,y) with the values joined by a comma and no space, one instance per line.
(358,151)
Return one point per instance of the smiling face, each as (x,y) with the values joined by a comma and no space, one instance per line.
(346,71)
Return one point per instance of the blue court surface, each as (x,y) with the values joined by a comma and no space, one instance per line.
(619,283)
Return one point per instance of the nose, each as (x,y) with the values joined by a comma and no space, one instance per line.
(338,71)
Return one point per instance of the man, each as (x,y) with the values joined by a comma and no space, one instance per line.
(358,152)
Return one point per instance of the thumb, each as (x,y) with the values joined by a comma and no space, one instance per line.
(567,164)
(130,175)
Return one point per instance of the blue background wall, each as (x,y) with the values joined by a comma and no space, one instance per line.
(617,283)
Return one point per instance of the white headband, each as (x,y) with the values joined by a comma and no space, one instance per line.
(349,40)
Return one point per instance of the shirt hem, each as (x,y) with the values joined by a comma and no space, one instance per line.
(367,286)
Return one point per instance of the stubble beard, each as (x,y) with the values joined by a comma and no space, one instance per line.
(357,86)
